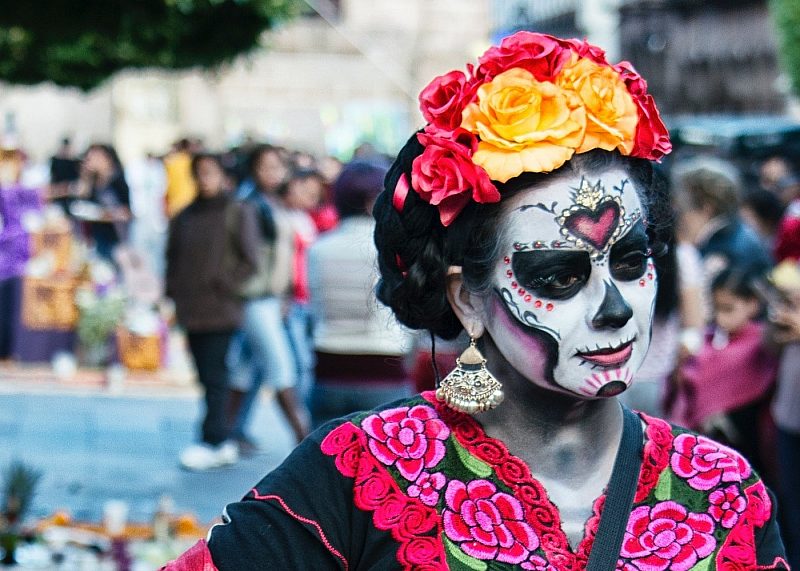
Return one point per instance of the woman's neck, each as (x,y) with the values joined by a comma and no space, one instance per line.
(556,434)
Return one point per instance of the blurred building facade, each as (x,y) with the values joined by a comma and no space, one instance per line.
(348,71)
(705,56)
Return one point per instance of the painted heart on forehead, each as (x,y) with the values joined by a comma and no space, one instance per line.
(596,227)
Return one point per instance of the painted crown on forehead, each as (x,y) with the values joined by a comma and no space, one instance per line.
(594,220)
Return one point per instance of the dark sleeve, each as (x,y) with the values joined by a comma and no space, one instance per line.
(770,552)
(171,256)
(300,516)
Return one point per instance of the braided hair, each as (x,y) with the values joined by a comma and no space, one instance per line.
(415,249)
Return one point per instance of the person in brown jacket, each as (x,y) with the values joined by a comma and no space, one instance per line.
(212,249)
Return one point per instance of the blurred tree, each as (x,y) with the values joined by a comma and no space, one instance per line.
(786,14)
(80,43)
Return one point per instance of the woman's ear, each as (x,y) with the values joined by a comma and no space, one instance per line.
(468,306)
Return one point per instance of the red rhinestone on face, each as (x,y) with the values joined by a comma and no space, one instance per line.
(521,291)
(509,273)
(550,307)
(649,276)
(538,304)
(514,285)
(506,260)
(642,283)
(527,297)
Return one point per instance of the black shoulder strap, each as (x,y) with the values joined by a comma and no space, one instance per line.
(619,496)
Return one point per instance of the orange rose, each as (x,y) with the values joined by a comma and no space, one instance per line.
(524,125)
(611,114)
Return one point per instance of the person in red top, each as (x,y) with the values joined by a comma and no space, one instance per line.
(787,239)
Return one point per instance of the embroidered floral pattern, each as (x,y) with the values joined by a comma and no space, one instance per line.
(705,463)
(408,438)
(667,536)
(726,505)
(427,487)
(446,513)
(487,524)
(536,563)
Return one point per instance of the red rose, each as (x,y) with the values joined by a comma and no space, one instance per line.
(667,536)
(422,550)
(388,513)
(442,100)
(373,490)
(652,137)
(759,506)
(487,524)
(445,176)
(344,442)
(513,471)
(416,519)
(738,552)
(490,451)
(587,50)
(540,54)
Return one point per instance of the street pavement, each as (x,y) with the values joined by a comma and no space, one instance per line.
(93,446)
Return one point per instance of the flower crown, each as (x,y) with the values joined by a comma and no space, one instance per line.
(529,105)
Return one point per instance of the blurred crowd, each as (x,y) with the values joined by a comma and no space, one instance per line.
(267,255)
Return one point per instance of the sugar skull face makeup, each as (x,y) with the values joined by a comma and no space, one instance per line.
(575,289)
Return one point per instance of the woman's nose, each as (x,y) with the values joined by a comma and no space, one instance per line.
(614,312)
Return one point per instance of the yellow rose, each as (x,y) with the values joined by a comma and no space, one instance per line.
(611,114)
(524,125)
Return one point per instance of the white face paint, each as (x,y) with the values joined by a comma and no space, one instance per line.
(576,287)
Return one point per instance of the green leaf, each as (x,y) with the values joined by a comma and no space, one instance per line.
(462,557)
(704,565)
(663,489)
(472,464)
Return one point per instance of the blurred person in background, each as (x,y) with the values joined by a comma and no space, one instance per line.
(724,389)
(772,171)
(181,189)
(102,183)
(262,351)
(148,181)
(707,197)
(787,236)
(212,249)
(785,333)
(64,170)
(360,347)
(300,196)
(325,215)
(762,210)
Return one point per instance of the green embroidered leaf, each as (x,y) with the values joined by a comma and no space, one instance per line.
(462,557)
(704,565)
(663,489)
(472,464)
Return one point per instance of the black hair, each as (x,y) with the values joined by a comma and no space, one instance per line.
(261,150)
(738,281)
(199,157)
(765,205)
(110,152)
(415,249)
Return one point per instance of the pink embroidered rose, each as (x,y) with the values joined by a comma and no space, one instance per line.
(427,487)
(759,506)
(667,536)
(652,138)
(410,439)
(726,505)
(486,523)
(705,463)
(540,54)
(445,176)
(423,551)
(536,563)
(441,102)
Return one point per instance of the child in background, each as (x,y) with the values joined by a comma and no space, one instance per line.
(724,388)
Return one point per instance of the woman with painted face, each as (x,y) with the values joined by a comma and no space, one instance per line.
(523,214)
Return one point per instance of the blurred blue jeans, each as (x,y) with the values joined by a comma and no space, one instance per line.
(259,352)
(299,327)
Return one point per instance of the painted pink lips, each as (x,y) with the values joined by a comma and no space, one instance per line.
(609,356)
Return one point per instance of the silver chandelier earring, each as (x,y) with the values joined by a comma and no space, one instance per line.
(470,387)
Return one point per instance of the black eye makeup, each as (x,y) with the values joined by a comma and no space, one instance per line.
(628,256)
(552,274)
